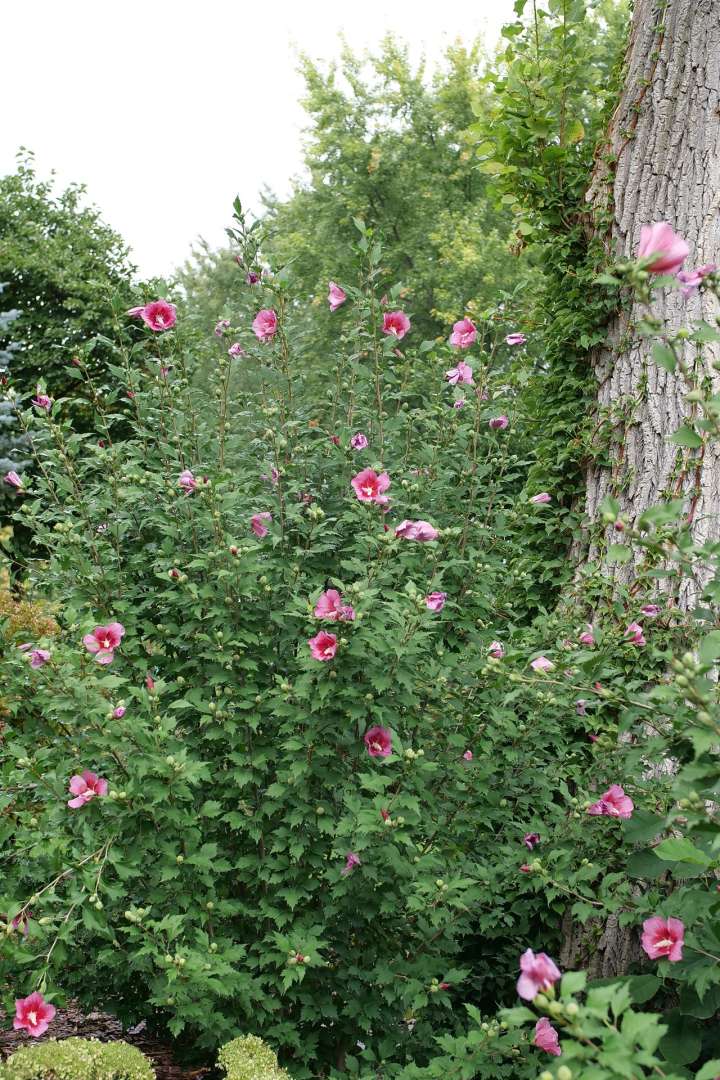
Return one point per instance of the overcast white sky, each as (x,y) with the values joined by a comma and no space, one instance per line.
(166,109)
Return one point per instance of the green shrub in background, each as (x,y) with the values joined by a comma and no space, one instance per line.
(77,1059)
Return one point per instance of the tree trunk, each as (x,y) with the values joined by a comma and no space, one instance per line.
(661,163)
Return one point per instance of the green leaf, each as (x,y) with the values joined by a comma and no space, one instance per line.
(619,553)
(685,436)
(573,982)
(709,1071)
(682,1043)
(709,648)
(679,849)
(664,357)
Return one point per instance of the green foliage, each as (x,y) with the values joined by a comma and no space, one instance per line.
(556,82)
(77,1059)
(249,1058)
(209,882)
(62,267)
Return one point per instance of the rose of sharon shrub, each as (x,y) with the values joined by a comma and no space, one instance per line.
(281,824)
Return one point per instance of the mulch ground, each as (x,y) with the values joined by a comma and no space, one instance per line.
(97,1025)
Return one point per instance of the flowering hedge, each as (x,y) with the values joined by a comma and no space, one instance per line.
(295,762)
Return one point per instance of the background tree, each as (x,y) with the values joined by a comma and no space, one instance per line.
(660,163)
(391,147)
(62,266)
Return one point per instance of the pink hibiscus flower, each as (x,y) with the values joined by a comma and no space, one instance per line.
(587,637)
(468,755)
(221,326)
(498,423)
(464,333)
(496,650)
(614,803)
(159,315)
(42,401)
(331,607)
(538,973)
(265,324)
(378,741)
(336,296)
(546,1037)
(541,499)
(351,861)
(690,279)
(323,646)
(13,479)
(515,339)
(187,481)
(257,523)
(531,839)
(103,641)
(634,634)
(435,601)
(395,323)
(359,441)
(86,787)
(460,374)
(663,938)
(33,1014)
(666,249)
(369,487)
(542,664)
(37,657)
(422,531)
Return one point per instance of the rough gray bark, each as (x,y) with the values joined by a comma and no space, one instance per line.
(665,136)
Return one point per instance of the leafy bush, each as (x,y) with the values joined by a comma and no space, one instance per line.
(255,853)
(77,1059)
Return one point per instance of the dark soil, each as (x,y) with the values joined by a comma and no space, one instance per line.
(97,1025)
